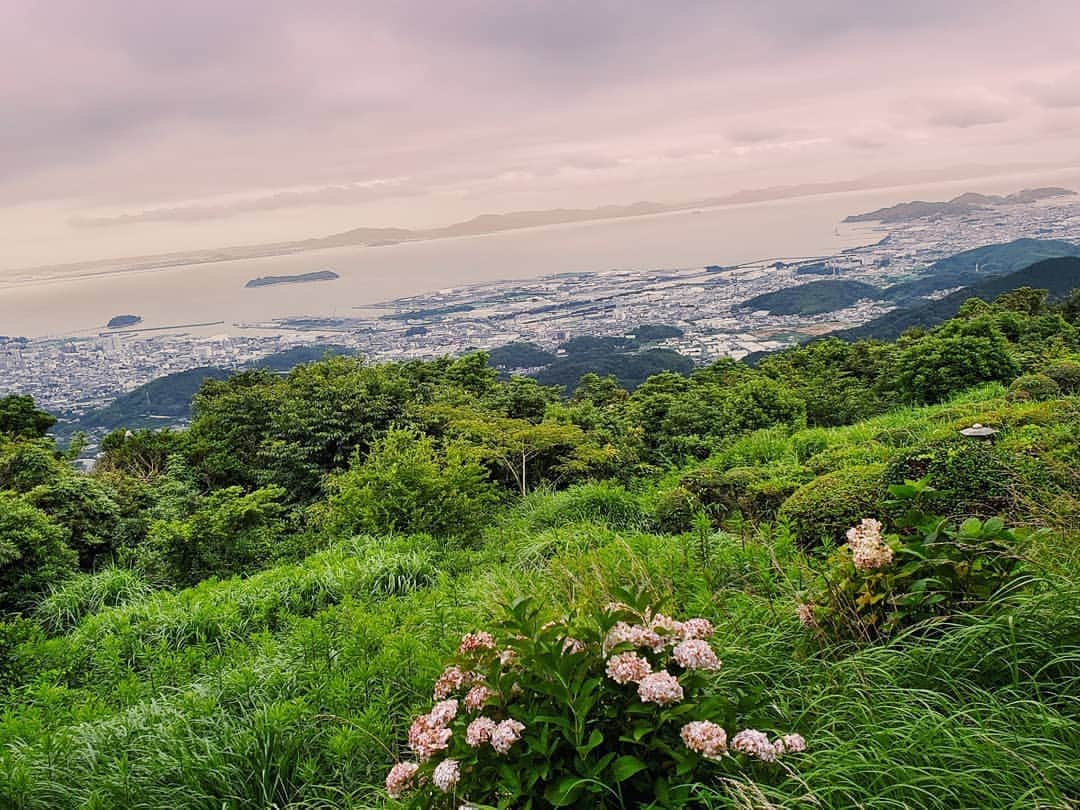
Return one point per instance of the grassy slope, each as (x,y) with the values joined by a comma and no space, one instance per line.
(292,688)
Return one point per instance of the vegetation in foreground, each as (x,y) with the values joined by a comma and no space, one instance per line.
(253,612)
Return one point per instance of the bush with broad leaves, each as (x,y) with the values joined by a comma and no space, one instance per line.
(614,708)
(879,583)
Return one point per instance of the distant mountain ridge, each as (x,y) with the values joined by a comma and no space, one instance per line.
(963,204)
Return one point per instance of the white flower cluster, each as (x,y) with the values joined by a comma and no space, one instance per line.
(868,548)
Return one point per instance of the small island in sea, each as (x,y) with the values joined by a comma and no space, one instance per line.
(302,278)
(120,321)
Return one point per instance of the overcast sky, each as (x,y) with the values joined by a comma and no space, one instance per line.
(132,126)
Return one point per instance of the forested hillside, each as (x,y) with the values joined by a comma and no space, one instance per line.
(808,583)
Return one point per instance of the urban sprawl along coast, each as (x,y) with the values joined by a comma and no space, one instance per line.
(72,375)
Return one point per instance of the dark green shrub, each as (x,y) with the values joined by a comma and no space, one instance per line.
(957,356)
(756,492)
(828,506)
(707,484)
(1066,373)
(1033,386)
(84,506)
(14,631)
(970,476)
(232,532)
(675,510)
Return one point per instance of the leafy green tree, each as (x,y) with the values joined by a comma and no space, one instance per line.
(957,356)
(836,380)
(85,507)
(19,417)
(1025,300)
(521,453)
(408,485)
(522,398)
(34,554)
(600,391)
(230,421)
(28,463)
(143,454)
(473,374)
(231,532)
(1069,308)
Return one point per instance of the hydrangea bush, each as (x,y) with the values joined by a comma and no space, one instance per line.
(616,708)
(879,583)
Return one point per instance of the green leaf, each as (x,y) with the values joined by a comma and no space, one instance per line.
(595,739)
(625,767)
(565,791)
(972,527)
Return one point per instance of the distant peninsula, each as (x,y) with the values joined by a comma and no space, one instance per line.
(302,278)
(964,204)
(496,223)
(120,321)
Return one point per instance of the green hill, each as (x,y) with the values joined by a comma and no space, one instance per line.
(1057,276)
(972,266)
(813,298)
(167,400)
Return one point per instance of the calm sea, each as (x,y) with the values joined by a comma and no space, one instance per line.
(806,226)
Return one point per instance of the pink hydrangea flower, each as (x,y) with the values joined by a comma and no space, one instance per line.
(805,612)
(476,698)
(446,775)
(634,635)
(451,680)
(428,733)
(479,731)
(790,744)
(443,712)
(666,626)
(695,654)
(505,735)
(400,779)
(705,738)
(471,642)
(662,688)
(754,744)
(627,667)
(697,628)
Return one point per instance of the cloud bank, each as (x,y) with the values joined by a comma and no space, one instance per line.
(147,115)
